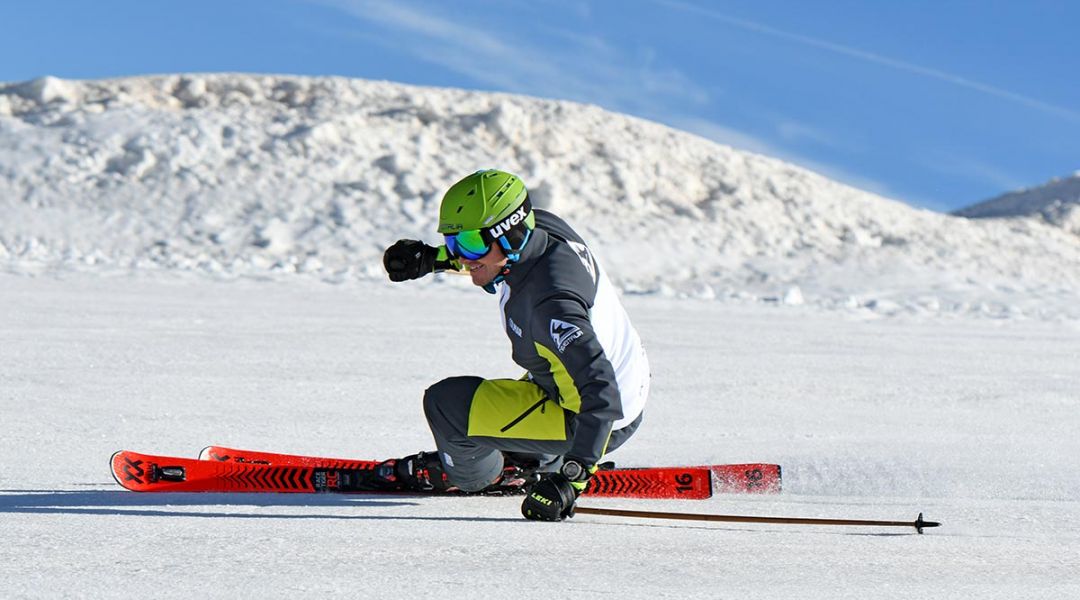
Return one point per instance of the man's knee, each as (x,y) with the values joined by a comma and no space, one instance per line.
(450,396)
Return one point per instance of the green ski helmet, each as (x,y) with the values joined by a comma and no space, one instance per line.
(483,208)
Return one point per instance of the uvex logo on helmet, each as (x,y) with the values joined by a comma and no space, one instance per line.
(506,224)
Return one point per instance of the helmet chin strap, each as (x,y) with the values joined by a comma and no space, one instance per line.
(490,286)
(511,258)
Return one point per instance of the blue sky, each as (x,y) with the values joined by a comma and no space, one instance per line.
(938,103)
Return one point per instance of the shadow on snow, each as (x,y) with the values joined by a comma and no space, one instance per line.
(123,503)
(134,504)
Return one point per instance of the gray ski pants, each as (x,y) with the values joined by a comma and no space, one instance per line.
(475,420)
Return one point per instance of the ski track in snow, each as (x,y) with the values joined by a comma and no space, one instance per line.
(971,422)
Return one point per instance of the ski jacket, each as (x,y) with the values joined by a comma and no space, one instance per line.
(571,333)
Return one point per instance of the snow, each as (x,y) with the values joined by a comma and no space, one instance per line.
(263,176)
(972,422)
(194,259)
(1058,192)
(1056,202)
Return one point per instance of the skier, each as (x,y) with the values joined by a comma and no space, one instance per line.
(587,373)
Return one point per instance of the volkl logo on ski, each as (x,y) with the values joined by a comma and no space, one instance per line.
(133,470)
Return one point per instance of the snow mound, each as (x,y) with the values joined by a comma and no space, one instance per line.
(243,175)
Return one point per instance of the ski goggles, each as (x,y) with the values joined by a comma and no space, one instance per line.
(471,244)
(511,233)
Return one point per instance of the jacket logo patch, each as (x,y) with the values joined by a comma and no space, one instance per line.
(585,256)
(513,326)
(563,333)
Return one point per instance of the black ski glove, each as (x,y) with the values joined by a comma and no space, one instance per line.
(409,259)
(552,498)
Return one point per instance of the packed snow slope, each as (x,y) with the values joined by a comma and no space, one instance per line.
(238,175)
(972,421)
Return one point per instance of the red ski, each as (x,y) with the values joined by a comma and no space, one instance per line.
(757,478)
(148,473)
(223,454)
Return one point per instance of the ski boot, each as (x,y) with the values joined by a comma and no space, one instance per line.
(423,472)
(420,472)
(519,472)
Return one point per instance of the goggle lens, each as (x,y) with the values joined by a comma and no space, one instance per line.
(467,244)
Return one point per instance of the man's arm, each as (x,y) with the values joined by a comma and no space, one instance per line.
(564,337)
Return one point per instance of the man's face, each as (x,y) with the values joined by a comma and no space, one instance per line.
(484,269)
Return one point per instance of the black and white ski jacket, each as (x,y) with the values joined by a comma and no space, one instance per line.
(571,333)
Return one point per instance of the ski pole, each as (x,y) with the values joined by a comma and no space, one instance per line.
(918,523)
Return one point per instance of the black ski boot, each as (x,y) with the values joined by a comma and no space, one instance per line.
(420,472)
(423,472)
(519,472)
